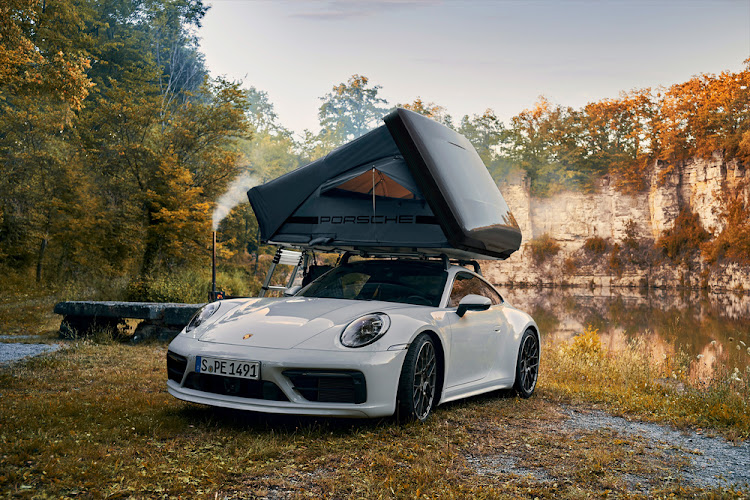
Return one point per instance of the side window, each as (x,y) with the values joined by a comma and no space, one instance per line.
(466,284)
(491,293)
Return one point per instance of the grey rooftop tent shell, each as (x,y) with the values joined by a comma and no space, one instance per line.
(410,186)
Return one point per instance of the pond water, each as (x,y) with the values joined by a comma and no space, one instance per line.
(710,333)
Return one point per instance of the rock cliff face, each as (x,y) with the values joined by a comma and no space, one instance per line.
(570,218)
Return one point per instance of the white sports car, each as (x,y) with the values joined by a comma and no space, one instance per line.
(366,339)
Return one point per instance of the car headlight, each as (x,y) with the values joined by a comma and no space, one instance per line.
(201,316)
(365,330)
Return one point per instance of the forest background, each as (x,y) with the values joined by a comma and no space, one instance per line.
(116,146)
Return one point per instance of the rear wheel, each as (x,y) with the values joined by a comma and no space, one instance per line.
(417,387)
(527,365)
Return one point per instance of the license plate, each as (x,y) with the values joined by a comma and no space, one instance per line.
(228,367)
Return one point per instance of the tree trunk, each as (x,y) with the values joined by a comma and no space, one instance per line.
(40,257)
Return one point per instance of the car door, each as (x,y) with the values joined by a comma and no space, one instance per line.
(475,337)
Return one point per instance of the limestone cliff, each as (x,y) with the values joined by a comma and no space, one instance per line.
(570,218)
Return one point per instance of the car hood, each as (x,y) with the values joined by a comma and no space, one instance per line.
(284,323)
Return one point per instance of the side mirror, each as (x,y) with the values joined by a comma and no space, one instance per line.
(292,290)
(473,303)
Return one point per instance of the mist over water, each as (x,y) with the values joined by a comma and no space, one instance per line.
(236,193)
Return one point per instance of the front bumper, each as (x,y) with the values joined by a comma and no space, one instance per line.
(381,370)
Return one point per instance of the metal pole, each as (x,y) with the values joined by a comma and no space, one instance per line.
(213,268)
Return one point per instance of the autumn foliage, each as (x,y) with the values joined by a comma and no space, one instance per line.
(115,142)
(684,239)
(733,241)
(562,147)
(543,247)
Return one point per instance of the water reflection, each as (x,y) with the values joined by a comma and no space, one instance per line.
(709,331)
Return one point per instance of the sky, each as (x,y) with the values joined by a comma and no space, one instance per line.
(468,56)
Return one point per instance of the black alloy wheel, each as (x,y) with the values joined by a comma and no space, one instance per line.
(417,388)
(527,366)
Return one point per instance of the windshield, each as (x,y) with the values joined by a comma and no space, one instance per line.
(407,282)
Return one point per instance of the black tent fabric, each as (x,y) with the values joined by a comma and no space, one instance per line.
(409,186)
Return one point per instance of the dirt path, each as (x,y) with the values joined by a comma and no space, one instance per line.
(709,461)
(13,351)
(555,448)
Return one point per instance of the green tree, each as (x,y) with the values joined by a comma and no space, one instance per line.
(617,134)
(545,141)
(350,110)
(491,139)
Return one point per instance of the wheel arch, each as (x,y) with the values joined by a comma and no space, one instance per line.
(440,351)
(534,328)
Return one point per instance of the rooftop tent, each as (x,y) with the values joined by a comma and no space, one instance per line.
(411,185)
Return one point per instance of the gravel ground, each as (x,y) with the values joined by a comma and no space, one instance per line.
(15,351)
(714,461)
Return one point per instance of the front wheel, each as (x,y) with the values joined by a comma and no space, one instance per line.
(527,366)
(417,387)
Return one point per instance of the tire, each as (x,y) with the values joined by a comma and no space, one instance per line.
(527,365)
(417,387)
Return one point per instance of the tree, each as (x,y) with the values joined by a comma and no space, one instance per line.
(43,83)
(618,138)
(350,110)
(545,141)
(430,110)
(486,132)
(491,140)
(41,53)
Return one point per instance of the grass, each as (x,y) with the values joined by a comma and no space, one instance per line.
(28,313)
(632,381)
(94,420)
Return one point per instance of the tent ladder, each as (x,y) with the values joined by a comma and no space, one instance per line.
(287,257)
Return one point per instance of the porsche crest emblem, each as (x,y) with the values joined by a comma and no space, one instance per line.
(247,336)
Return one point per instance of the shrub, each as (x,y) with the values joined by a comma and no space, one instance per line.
(631,235)
(733,243)
(184,286)
(595,245)
(543,247)
(615,262)
(684,238)
(587,345)
(238,282)
(570,266)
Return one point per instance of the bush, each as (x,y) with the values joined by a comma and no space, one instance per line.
(733,243)
(631,235)
(570,266)
(595,245)
(184,286)
(684,238)
(238,282)
(587,345)
(543,248)
(615,262)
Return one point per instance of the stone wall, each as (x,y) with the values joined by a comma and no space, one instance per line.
(571,218)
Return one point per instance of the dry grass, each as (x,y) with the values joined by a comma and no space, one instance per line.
(94,420)
(632,381)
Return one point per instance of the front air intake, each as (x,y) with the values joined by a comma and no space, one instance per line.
(346,386)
